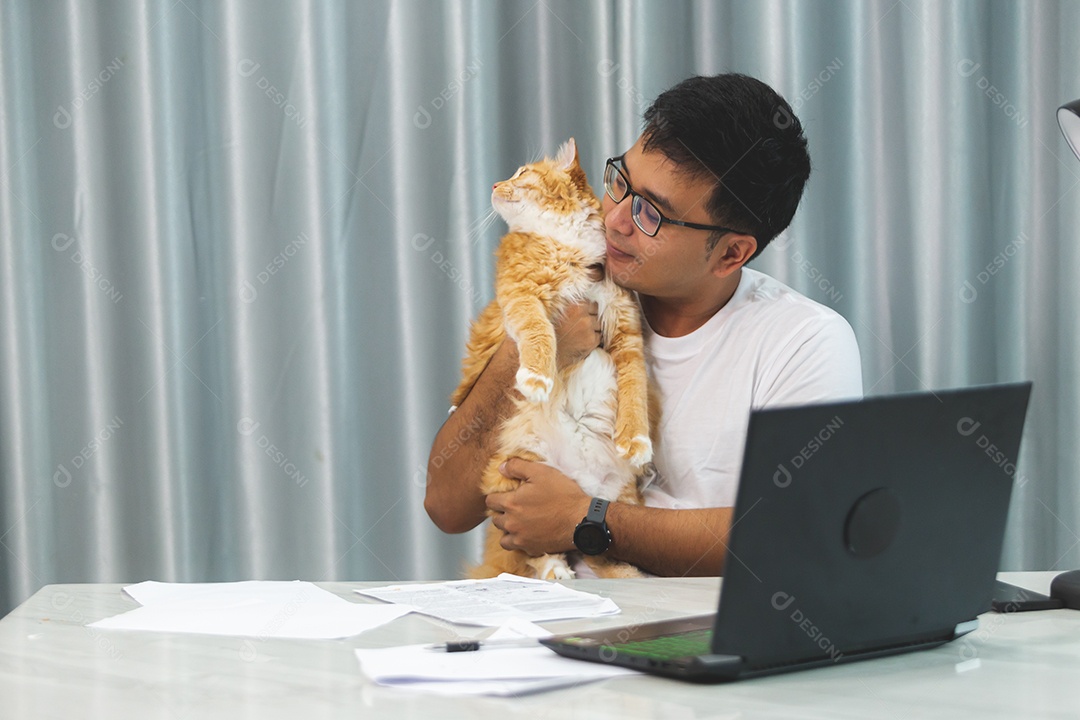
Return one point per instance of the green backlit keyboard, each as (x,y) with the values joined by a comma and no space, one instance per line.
(669,647)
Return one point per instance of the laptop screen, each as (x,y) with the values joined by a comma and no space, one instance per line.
(868,524)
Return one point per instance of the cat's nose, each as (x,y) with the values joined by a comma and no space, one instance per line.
(495,186)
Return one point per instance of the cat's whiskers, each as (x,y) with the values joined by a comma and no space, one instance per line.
(534,156)
(480,226)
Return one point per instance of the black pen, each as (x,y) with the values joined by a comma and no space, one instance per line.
(473,645)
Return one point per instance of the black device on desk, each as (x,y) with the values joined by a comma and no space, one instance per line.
(1064,593)
(1009,598)
(861,529)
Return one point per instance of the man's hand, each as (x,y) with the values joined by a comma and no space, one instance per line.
(538,517)
(577,333)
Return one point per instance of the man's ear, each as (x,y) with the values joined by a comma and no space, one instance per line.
(732,252)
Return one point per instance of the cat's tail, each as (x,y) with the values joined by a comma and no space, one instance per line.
(498,560)
(485,336)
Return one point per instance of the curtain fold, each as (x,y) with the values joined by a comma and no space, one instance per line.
(241,243)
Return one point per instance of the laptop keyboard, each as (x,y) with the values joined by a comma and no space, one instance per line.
(669,647)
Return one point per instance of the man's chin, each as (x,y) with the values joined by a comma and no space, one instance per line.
(622,273)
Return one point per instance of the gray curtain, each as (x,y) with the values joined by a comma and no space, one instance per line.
(242,240)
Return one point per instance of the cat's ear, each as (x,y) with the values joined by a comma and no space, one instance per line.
(567,157)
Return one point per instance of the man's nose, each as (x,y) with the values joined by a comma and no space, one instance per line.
(617,216)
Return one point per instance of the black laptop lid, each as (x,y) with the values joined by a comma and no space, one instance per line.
(868,524)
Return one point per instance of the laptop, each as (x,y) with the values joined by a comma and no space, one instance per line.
(862,529)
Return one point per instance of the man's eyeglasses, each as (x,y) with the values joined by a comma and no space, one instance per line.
(646,215)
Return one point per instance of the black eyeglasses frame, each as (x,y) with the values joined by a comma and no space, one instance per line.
(638,199)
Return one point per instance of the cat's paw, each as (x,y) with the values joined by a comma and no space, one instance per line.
(534,386)
(558,571)
(637,450)
(551,567)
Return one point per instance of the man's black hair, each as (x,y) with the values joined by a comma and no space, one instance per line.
(743,135)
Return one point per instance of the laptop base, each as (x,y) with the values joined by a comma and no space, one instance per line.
(718,667)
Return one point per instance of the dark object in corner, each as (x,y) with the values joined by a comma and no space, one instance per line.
(1010,598)
(1066,588)
(1064,593)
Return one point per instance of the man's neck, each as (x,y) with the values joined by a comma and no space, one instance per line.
(670,317)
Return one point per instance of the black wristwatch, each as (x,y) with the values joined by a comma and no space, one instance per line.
(592,536)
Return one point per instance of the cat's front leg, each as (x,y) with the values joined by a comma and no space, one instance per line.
(626,348)
(528,324)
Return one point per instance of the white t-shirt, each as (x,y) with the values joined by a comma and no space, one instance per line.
(768,346)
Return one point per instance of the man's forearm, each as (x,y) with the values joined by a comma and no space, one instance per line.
(670,542)
(465,443)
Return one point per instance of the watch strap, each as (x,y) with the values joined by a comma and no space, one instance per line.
(597,511)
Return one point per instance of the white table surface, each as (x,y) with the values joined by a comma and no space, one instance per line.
(1023,665)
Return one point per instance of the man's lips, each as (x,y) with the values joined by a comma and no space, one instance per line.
(615,253)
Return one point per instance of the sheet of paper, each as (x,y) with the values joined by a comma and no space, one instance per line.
(270,609)
(151,592)
(493,601)
(493,671)
(494,688)
(517,629)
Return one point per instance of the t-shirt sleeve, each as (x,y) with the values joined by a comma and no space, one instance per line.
(820,363)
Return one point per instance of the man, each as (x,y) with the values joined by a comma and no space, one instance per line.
(717,174)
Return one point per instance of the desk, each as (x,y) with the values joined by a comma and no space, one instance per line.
(52,666)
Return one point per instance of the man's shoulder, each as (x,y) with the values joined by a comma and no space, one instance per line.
(771,306)
(809,352)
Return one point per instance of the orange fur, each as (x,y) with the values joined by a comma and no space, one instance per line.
(544,263)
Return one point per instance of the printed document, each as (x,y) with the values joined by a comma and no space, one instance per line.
(494,601)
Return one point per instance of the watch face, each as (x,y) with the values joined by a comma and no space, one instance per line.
(591,538)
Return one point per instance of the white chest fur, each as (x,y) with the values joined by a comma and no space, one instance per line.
(573,431)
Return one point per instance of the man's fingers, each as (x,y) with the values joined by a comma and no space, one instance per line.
(516,468)
(495,502)
(499,521)
(583,309)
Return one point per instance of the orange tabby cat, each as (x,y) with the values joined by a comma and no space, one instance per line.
(590,420)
